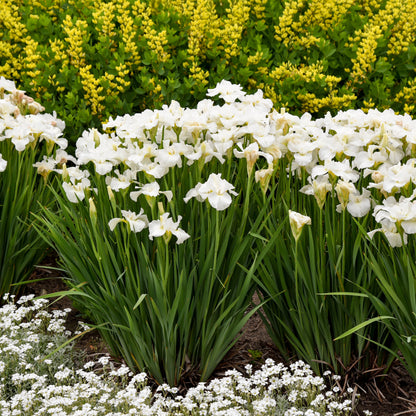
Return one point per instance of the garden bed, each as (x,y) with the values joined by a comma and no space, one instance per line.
(385,395)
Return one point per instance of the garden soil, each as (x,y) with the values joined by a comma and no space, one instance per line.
(388,394)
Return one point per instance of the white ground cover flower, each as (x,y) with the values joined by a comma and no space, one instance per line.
(31,387)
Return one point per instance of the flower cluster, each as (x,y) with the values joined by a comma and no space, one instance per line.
(365,159)
(22,123)
(32,383)
(164,226)
(148,145)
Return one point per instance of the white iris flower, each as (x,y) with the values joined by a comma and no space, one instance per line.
(165,226)
(136,222)
(216,190)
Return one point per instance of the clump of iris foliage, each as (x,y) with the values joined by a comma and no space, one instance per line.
(26,136)
(38,376)
(89,60)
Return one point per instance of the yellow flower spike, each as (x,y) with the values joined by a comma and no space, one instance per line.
(259,8)
(368,104)
(203,29)
(230,34)
(283,31)
(77,35)
(31,56)
(128,29)
(255,59)
(407,94)
(11,50)
(157,42)
(92,90)
(367,37)
(103,20)
(269,92)
(409,108)
(403,32)
(188,7)
(58,49)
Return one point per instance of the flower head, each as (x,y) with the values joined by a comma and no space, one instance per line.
(227,91)
(165,226)
(215,189)
(150,190)
(137,222)
(7,85)
(75,190)
(343,190)
(390,231)
(263,176)
(297,222)
(319,188)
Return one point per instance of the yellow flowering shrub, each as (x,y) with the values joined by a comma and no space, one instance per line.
(89,59)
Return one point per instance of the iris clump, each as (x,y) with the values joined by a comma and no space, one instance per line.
(29,139)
